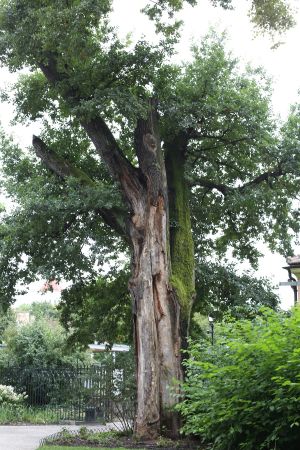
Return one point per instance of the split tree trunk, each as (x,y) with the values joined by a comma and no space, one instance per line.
(160,303)
(157,325)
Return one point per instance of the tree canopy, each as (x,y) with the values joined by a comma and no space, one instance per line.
(242,165)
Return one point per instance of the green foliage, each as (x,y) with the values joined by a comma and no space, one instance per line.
(98,311)
(6,319)
(40,343)
(232,139)
(221,290)
(243,393)
(52,222)
(12,414)
(272,15)
(240,165)
(225,114)
(40,311)
(269,16)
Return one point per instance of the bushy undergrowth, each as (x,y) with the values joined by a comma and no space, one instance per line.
(244,392)
(12,414)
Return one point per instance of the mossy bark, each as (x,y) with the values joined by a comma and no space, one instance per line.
(181,240)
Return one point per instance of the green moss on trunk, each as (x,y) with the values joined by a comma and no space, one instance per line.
(181,239)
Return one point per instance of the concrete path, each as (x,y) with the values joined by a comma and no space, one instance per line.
(28,437)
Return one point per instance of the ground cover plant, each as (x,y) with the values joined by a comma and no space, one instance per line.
(112,439)
(13,409)
(55,447)
(244,392)
(26,414)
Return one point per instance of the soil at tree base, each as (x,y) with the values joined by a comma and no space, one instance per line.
(129,443)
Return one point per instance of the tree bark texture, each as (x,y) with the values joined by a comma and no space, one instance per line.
(157,324)
(155,305)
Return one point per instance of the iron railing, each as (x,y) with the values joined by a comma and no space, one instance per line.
(81,393)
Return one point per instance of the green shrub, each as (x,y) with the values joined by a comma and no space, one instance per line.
(244,392)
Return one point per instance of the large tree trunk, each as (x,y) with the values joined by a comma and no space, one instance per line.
(155,304)
(157,323)
(158,300)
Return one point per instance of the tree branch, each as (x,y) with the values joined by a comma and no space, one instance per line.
(118,165)
(58,165)
(64,169)
(212,185)
(224,189)
(263,177)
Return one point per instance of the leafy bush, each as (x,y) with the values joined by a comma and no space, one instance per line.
(244,392)
(8,396)
(40,343)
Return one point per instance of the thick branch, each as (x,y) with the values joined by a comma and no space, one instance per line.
(64,169)
(118,165)
(58,165)
(120,168)
(212,185)
(198,136)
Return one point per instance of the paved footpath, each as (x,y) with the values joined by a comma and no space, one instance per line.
(28,437)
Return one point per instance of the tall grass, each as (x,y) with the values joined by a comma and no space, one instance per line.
(15,414)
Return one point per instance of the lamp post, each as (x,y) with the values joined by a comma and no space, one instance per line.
(212,326)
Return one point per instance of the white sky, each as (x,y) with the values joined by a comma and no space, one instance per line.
(282,64)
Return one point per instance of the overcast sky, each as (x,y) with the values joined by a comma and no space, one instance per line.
(282,64)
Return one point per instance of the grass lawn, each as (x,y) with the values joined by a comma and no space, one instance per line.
(55,447)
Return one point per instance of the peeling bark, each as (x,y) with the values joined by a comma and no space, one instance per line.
(157,328)
(155,304)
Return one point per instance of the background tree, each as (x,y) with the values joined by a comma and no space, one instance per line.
(175,149)
(40,311)
(40,343)
(223,290)
(99,311)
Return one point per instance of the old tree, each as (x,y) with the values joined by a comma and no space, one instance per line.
(138,155)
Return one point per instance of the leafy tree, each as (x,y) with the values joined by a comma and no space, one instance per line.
(40,343)
(98,311)
(243,392)
(40,311)
(221,290)
(6,319)
(176,150)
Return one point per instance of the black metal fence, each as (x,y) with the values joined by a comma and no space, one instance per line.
(93,393)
